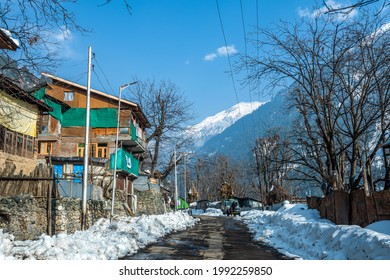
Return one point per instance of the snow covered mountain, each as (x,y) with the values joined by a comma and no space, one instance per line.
(233,134)
(214,125)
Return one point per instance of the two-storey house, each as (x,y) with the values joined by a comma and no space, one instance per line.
(62,131)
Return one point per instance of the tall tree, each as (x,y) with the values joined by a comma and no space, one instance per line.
(169,112)
(220,177)
(273,156)
(338,75)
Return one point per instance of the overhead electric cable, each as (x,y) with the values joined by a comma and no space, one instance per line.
(104,74)
(257,41)
(229,59)
(105,77)
(246,65)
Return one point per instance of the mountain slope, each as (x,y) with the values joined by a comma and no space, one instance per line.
(214,125)
(237,140)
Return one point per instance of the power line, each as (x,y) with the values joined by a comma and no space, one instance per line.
(246,65)
(98,78)
(229,60)
(104,74)
(81,76)
(95,60)
(257,40)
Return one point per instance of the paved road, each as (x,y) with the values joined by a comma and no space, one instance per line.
(213,238)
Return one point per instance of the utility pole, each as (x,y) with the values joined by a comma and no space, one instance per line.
(185,180)
(116,147)
(174,155)
(86,144)
(258,174)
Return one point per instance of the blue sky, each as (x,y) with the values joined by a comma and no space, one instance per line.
(176,40)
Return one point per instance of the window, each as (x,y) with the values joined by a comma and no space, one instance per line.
(99,150)
(102,150)
(8,137)
(68,95)
(19,141)
(80,150)
(44,148)
(124,130)
(44,124)
(30,144)
(17,144)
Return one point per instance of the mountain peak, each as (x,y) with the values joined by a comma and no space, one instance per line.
(214,125)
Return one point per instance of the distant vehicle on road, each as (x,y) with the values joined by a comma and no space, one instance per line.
(230,207)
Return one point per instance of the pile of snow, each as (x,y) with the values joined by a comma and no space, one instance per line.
(382,227)
(297,231)
(207,212)
(102,241)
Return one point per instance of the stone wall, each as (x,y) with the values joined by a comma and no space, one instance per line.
(27,217)
(25,212)
(150,202)
(23,216)
(66,214)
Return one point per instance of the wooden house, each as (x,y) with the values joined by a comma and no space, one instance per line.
(62,131)
(19,114)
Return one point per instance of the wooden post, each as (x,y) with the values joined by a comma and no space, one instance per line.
(126,189)
(49,210)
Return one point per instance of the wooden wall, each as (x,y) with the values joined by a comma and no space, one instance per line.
(79,101)
(355,208)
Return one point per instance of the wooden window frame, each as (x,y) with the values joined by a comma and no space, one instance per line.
(45,148)
(30,144)
(80,149)
(102,149)
(95,149)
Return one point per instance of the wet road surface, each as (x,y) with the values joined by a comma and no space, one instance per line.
(213,238)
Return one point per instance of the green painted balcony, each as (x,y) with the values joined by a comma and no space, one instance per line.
(125,162)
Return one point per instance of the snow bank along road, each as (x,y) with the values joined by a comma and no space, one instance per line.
(294,230)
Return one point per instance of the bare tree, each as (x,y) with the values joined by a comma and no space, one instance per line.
(35,24)
(125,2)
(40,27)
(356,5)
(339,84)
(273,156)
(220,177)
(169,112)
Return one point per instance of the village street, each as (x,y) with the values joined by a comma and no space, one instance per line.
(213,238)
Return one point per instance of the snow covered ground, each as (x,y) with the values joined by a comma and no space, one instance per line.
(297,231)
(293,229)
(102,241)
(301,233)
